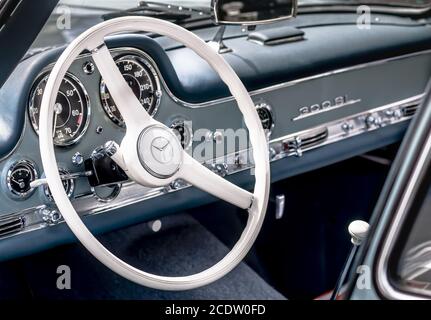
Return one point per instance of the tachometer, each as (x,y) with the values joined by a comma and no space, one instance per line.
(142,78)
(71,110)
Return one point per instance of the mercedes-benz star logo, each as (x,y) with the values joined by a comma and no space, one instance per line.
(162,150)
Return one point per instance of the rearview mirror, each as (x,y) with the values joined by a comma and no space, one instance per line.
(252,12)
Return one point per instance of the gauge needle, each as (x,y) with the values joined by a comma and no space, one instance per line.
(57,111)
(21,184)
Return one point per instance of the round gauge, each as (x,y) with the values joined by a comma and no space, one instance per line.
(266,117)
(71,110)
(144,82)
(183,133)
(19,177)
(68,185)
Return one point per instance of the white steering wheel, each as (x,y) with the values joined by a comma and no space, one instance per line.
(150,152)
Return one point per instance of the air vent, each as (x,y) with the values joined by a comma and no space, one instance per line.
(306,141)
(11,225)
(410,109)
(311,141)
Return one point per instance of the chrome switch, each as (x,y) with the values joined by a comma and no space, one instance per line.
(280,201)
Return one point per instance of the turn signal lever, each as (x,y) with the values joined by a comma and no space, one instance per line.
(40,182)
(100,169)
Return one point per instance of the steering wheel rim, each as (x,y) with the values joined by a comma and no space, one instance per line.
(93,41)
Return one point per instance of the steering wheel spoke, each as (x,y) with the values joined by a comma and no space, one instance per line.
(203,178)
(125,100)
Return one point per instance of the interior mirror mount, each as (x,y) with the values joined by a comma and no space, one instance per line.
(248,13)
(252,12)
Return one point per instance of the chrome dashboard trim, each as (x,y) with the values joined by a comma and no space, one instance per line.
(132,192)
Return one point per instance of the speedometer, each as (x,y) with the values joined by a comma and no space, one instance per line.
(142,78)
(71,110)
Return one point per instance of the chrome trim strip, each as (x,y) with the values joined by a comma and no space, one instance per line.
(134,193)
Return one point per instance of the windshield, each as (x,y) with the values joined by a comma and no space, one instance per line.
(126,4)
(72,17)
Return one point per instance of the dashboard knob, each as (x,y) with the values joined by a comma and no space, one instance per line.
(346,127)
(50,216)
(398,114)
(77,159)
(378,122)
(370,121)
(220,168)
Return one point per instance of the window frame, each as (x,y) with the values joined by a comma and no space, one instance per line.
(412,192)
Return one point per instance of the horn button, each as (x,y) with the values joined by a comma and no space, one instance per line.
(159,151)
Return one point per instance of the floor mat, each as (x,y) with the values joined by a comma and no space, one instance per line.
(182,247)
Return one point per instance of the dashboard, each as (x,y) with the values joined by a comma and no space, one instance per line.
(312,116)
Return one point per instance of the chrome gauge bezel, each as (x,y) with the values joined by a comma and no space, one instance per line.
(145,62)
(41,77)
(31,167)
(180,121)
(267,107)
(62,172)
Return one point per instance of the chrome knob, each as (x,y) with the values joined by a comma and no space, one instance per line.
(346,127)
(50,216)
(398,114)
(177,184)
(77,159)
(378,122)
(108,149)
(296,145)
(370,121)
(220,168)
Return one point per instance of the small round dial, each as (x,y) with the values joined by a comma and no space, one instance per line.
(19,177)
(68,185)
(142,78)
(71,110)
(183,133)
(266,117)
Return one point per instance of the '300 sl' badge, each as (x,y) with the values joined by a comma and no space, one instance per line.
(327,105)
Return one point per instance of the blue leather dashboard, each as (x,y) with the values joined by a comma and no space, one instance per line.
(376,72)
(191,79)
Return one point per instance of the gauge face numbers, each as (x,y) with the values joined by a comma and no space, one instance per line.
(19,177)
(144,82)
(71,110)
(68,185)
